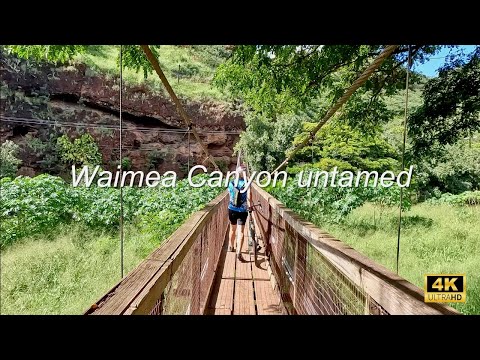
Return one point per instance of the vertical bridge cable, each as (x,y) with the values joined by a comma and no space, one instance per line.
(409,64)
(121,163)
(188,161)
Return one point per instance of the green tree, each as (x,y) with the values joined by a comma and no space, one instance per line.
(340,145)
(451,106)
(265,141)
(455,171)
(9,162)
(52,53)
(81,151)
(285,78)
(306,80)
(46,150)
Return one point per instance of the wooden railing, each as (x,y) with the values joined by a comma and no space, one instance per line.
(318,274)
(177,277)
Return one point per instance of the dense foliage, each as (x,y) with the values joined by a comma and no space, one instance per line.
(81,151)
(8,159)
(465,198)
(455,170)
(346,148)
(451,106)
(333,204)
(45,149)
(266,140)
(37,205)
(58,54)
(274,79)
(133,56)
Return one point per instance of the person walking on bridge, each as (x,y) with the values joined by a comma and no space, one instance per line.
(238,208)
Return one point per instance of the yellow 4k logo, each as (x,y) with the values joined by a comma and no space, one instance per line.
(449,284)
(445,288)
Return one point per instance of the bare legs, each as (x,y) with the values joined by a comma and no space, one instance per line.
(242,233)
(233,232)
(232,237)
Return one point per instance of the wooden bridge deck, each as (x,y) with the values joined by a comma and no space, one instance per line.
(244,288)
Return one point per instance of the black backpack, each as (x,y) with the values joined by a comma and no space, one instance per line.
(238,197)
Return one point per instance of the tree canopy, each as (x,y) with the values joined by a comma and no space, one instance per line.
(451,107)
(281,79)
(339,145)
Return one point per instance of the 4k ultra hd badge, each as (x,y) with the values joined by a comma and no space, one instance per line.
(445,288)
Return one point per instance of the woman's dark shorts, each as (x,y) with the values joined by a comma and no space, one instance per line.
(233,216)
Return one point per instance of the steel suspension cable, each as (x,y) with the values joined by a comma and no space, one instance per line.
(156,66)
(409,64)
(36,121)
(340,102)
(121,162)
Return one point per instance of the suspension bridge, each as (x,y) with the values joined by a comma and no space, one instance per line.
(300,268)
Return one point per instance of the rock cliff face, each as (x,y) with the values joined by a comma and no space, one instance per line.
(45,101)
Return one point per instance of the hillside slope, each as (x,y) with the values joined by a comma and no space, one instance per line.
(41,102)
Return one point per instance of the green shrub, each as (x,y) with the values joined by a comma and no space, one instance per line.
(46,150)
(81,151)
(154,159)
(465,198)
(126,163)
(9,162)
(333,204)
(33,205)
(37,205)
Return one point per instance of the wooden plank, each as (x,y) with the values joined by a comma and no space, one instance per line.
(227,270)
(188,231)
(243,269)
(169,246)
(222,295)
(260,268)
(268,302)
(133,284)
(395,294)
(180,253)
(244,303)
(212,311)
(223,312)
(245,241)
(217,266)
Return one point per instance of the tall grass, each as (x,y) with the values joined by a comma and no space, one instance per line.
(67,272)
(60,244)
(434,239)
(186,69)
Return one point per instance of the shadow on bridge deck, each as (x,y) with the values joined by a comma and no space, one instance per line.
(244,287)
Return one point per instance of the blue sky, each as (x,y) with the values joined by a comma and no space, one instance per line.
(430,68)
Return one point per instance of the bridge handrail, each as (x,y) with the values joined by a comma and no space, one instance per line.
(141,291)
(391,292)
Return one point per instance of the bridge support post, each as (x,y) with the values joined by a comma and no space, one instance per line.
(196,270)
(299,271)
